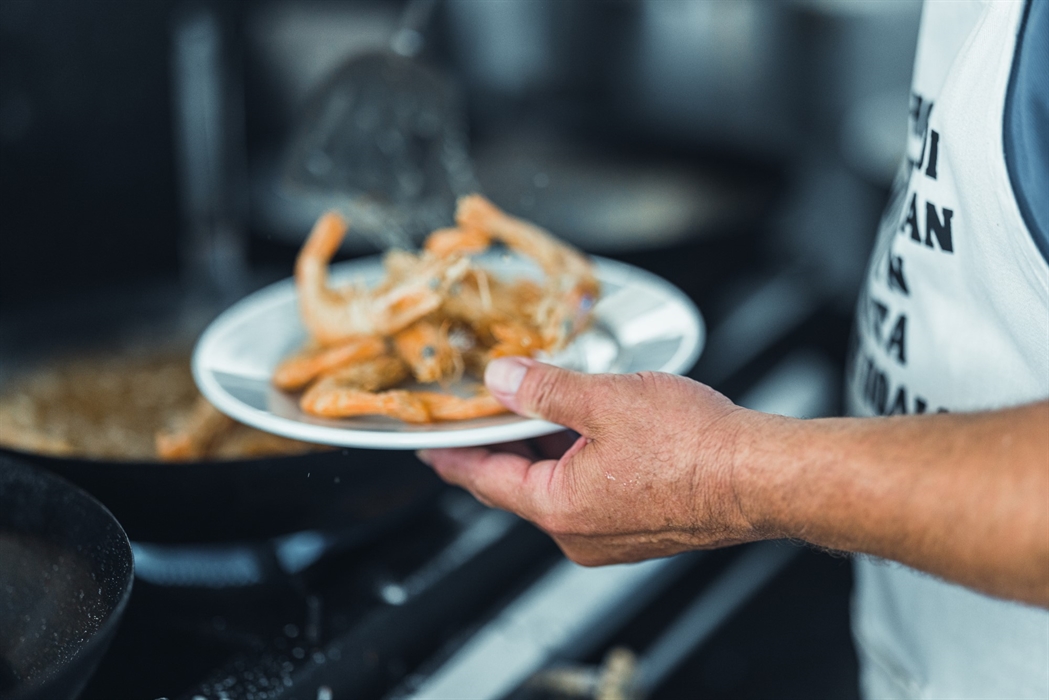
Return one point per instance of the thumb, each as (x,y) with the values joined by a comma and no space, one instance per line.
(538,390)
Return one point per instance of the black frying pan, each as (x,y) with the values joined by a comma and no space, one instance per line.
(207,501)
(252,499)
(65,576)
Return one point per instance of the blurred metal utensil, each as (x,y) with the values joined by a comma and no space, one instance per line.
(385,137)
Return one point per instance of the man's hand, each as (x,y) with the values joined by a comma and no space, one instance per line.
(651,474)
(665,464)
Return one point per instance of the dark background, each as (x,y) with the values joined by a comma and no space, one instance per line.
(87,181)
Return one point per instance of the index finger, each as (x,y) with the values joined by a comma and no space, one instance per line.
(496,478)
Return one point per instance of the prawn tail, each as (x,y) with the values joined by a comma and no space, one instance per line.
(325,237)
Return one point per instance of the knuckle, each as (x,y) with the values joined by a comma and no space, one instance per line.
(483,498)
(548,390)
(648,378)
(561,395)
(655,381)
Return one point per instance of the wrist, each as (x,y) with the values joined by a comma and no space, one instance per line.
(764,468)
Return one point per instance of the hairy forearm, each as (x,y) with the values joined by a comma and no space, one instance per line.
(962,496)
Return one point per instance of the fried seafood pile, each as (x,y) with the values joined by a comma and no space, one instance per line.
(436,316)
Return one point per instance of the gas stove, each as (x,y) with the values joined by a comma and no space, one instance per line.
(472,603)
(352,622)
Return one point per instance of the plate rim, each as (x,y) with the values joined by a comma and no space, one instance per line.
(611,270)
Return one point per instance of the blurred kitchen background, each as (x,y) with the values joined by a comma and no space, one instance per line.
(622,124)
(742,149)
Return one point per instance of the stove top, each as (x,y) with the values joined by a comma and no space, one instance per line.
(354,622)
(474,603)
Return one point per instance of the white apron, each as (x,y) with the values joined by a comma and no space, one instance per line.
(954,317)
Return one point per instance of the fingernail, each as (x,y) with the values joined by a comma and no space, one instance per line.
(424,457)
(504,375)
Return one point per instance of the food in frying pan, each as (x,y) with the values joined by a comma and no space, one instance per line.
(203,433)
(135,406)
(436,316)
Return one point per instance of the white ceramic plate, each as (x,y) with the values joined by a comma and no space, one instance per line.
(642,322)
